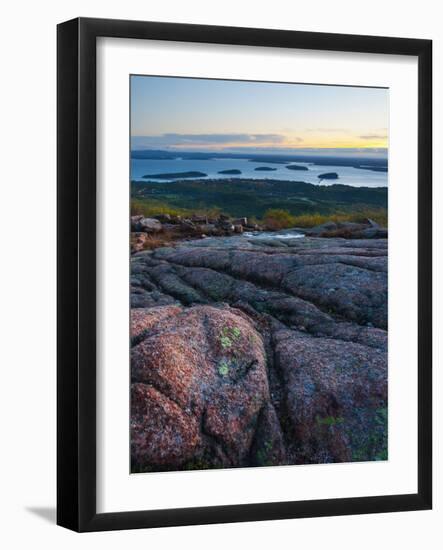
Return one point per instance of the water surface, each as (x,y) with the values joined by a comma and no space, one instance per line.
(355,177)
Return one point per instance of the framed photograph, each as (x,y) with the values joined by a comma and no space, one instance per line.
(244,274)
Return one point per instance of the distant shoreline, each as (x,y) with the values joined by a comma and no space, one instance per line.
(363,162)
(209,180)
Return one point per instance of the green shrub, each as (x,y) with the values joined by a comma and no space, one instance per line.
(155,207)
(274,218)
(277,218)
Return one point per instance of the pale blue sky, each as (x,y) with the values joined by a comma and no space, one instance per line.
(227,115)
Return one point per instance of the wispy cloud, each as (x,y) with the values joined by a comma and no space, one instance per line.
(328,130)
(230,141)
(177,140)
(373,136)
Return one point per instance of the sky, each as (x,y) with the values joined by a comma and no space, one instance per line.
(227,115)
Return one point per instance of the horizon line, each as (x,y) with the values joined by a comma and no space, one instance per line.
(258,150)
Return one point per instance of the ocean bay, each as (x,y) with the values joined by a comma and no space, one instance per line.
(347,175)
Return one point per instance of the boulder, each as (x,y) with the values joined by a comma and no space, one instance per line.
(199,219)
(163,218)
(351,226)
(372,223)
(161,432)
(348,230)
(240,221)
(150,225)
(170,227)
(317,230)
(146,225)
(226,226)
(336,398)
(187,224)
(135,222)
(207,229)
(200,390)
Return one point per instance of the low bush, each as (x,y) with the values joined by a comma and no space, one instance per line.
(282,219)
(154,207)
(148,208)
(276,218)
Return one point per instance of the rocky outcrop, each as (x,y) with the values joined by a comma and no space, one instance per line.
(349,230)
(320,230)
(169,229)
(200,390)
(259,351)
(335,398)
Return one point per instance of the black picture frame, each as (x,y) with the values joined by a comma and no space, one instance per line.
(76,295)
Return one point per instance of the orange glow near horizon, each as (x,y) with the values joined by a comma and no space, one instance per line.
(377,142)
